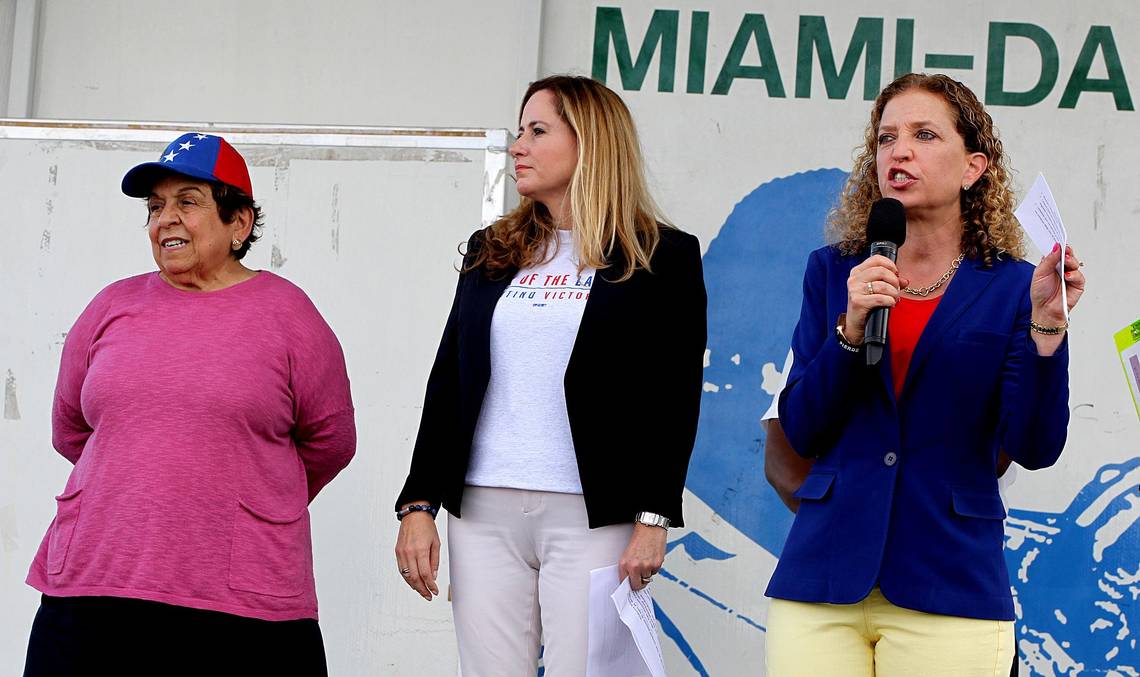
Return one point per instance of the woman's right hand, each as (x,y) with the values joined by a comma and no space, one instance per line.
(417,553)
(882,275)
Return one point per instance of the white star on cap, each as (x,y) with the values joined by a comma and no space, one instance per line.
(169,157)
(185,146)
(199,136)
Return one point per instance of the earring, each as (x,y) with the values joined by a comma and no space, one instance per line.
(236,244)
(965,186)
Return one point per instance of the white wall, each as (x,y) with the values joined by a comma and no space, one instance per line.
(365,63)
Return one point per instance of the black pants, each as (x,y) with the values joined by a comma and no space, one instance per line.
(119,636)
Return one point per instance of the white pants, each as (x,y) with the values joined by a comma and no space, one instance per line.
(520,564)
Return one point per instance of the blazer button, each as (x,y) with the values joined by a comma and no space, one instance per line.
(890,459)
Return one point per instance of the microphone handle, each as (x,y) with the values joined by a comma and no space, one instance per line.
(875,333)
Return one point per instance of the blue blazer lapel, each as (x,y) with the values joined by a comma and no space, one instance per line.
(963,291)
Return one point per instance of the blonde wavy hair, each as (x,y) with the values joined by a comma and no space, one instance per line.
(989,228)
(610,205)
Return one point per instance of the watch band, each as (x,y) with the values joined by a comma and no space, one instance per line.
(652,519)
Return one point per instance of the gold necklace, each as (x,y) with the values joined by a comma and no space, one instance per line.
(926,291)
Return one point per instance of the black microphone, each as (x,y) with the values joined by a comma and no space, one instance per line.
(886,231)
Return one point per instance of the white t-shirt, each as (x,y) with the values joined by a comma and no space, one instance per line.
(522,439)
(1004,482)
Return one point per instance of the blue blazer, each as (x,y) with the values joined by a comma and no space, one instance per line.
(903,493)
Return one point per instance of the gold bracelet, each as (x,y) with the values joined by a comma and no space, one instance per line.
(1048,331)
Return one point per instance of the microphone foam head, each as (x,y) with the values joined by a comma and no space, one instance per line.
(887,222)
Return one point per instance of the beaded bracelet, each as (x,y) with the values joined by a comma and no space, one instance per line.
(417,507)
(1048,331)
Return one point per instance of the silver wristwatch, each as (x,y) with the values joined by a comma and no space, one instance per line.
(652,519)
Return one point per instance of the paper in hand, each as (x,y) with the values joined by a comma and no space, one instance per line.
(1041,220)
(635,607)
(612,650)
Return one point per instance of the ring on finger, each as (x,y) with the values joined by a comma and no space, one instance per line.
(646,579)
(405,572)
(870,288)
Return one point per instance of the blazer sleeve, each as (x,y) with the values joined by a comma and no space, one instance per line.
(1034,417)
(679,359)
(814,405)
(440,414)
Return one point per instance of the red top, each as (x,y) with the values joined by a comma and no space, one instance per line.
(908,319)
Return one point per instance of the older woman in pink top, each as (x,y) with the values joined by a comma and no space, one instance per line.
(204,406)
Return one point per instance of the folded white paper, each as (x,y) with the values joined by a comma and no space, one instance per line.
(622,630)
(1041,220)
(636,611)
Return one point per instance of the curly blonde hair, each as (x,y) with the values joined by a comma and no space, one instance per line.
(989,228)
(610,204)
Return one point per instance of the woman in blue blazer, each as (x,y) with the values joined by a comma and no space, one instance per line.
(894,564)
(562,406)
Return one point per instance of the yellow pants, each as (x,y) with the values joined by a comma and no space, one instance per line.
(875,638)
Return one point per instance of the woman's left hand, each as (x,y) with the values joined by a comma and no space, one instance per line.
(643,556)
(1045,289)
(1045,294)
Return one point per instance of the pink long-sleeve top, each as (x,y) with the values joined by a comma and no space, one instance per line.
(201,425)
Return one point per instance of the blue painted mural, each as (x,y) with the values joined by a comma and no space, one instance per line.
(754,275)
(1076,578)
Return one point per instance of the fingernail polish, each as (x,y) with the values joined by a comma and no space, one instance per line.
(1056,246)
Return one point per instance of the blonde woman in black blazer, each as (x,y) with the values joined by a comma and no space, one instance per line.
(576,459)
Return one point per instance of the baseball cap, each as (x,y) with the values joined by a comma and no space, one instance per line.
(201,156)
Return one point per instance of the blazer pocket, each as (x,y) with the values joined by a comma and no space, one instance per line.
(270,555)
(971,503)
(62,529)
(816,486)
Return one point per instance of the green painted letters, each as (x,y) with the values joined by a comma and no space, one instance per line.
(1099,37)
(608,23)
(753,27)
(813,39)
(698,50)
(661,40)
(996,94)
(904,46)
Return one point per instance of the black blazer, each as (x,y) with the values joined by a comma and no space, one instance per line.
(633,386)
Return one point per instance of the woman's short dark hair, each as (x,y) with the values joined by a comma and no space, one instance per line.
(229,201)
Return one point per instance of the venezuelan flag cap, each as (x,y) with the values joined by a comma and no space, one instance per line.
(201,156)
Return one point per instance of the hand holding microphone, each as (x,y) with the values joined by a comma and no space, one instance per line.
(873,285)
